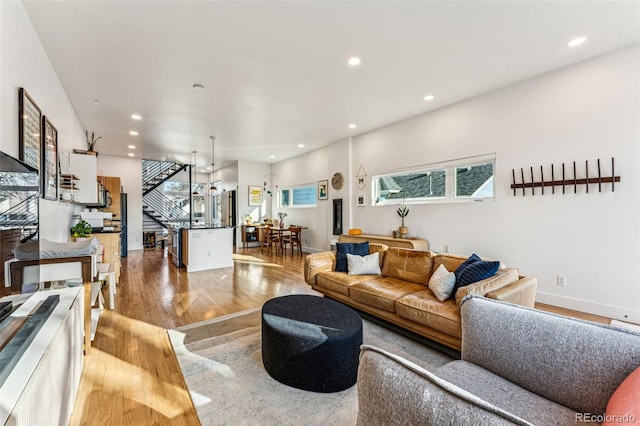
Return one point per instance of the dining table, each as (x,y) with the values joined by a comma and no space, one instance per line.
(283,232)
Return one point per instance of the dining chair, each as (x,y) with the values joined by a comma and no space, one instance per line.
(294,239)
(270,239)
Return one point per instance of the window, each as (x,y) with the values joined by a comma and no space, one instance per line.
(474,181)
(468,179)
(302,196)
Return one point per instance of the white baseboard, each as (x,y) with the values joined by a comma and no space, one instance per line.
(604,310)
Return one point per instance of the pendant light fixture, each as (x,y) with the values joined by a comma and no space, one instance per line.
(195,164)
(213,187)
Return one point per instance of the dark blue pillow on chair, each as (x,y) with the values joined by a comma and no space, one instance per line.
(360,249)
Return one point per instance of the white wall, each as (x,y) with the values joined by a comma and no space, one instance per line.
(23,63)
(130,172)
(583,112)
(307,169)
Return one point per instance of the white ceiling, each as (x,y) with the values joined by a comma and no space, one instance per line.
(276,75)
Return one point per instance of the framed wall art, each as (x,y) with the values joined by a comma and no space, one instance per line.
(360,200)
(255,196)
(29,129)
(323,190)
(49,170)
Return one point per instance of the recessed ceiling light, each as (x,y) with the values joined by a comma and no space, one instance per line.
(131,154)
(300,145)
(198,87)
(352,126)
(429,97)
(133,133)
(576,41)
(136,117)
(354,61)
(272,156)
(208,167)
(131,147)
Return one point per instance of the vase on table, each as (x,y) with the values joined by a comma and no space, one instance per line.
(281,224)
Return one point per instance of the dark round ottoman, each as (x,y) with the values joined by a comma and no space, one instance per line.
(311,343)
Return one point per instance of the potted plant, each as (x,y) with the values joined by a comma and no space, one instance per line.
(247,218)
(91,143)
(282,215)
(81,230)
(403,212)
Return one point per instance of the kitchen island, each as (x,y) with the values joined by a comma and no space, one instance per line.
(205,248)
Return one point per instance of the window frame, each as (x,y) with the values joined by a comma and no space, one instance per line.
(292,204)
(450,168)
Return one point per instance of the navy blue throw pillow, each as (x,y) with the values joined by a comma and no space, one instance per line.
(360,249)
(477,271)
(473,258)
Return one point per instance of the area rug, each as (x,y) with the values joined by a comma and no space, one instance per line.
(221,363)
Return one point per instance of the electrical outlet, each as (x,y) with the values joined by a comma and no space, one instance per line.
(446,249)
(561,280)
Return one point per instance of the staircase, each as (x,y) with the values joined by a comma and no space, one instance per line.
(161,212)
(155,173)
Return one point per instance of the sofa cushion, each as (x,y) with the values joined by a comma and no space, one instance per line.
(381,249)
(585,362)
(625,401)
(450,261)
(408,265)
(510,397)
(394,391)
(423,307)
(340,282)
(501,279)
(441,283)
(383,292)
(361,249)
(363,265)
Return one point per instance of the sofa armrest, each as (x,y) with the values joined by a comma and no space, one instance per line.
(504,277)
(522,292)
(316,263)
(392,390)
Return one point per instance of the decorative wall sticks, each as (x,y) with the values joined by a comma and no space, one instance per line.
(566,181)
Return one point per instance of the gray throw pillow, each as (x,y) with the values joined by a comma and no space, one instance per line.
(442,282)
(364,265)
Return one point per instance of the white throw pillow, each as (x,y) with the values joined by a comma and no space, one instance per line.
(363,265)
(442,282)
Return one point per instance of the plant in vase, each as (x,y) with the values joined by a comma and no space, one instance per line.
(91,143)
(81,230)
(247,218)
(282,215)
(403,212)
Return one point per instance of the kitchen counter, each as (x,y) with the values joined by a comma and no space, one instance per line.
(207,248)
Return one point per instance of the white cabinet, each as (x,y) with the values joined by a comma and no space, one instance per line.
(85,167)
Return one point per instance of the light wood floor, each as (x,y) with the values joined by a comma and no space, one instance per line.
(131,376)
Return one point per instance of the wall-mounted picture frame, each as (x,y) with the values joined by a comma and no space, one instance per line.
(29,129)
(360,200)
(49,170)
(255,196)
(323,189)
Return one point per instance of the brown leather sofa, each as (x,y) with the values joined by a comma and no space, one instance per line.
(400,294)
